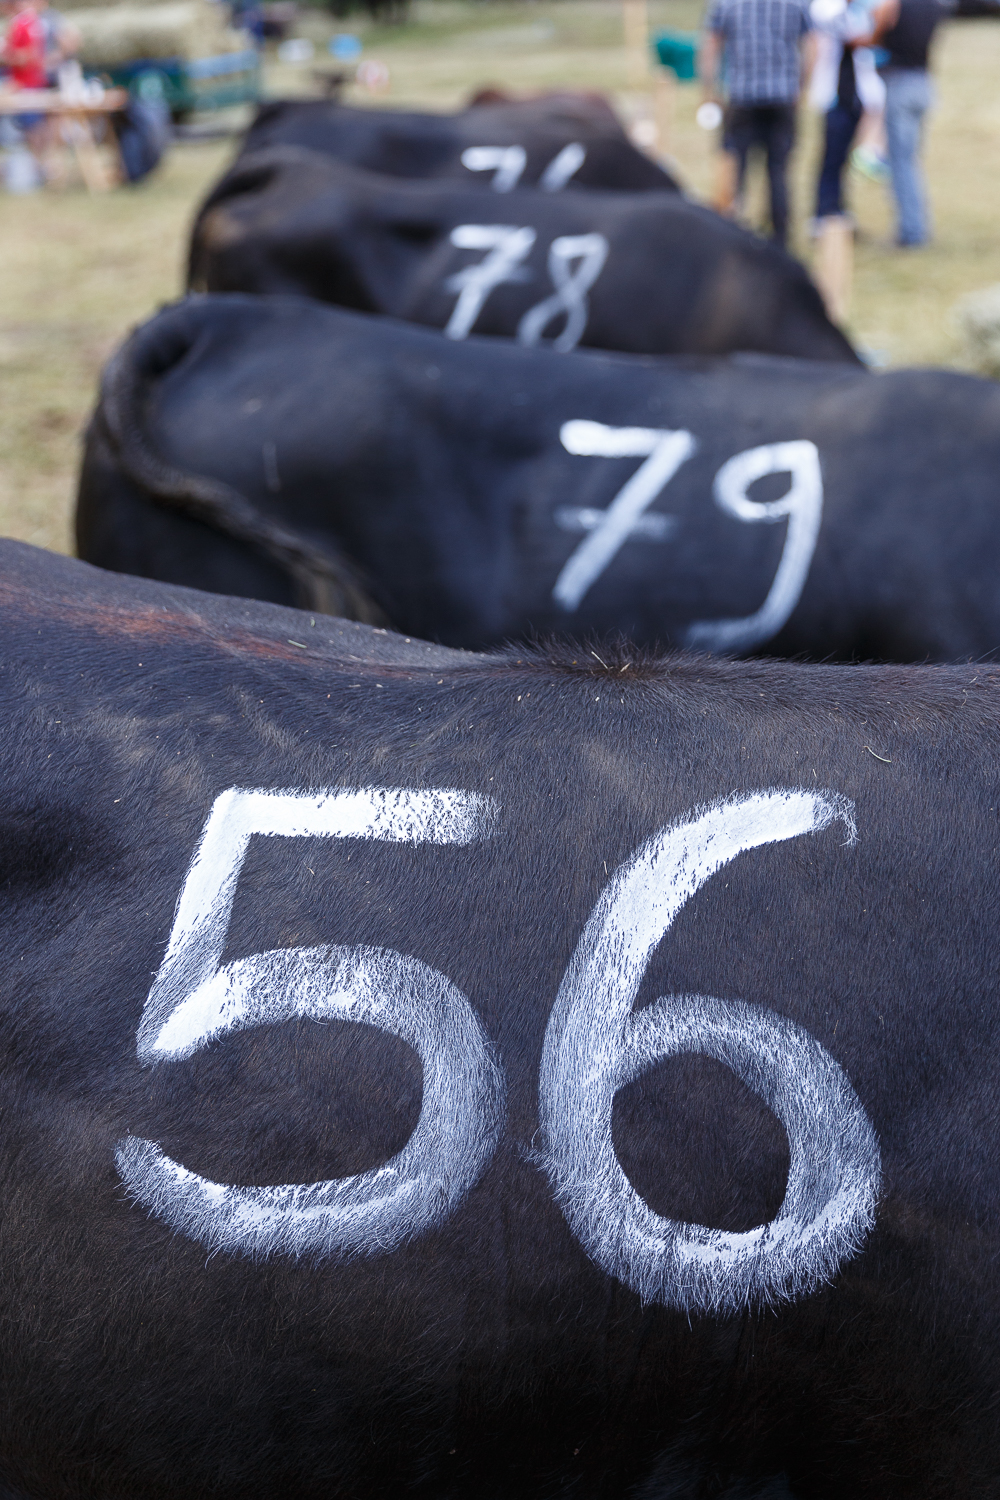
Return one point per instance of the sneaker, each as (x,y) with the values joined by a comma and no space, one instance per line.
(870,164)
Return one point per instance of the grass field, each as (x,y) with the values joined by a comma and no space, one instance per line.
(76,272)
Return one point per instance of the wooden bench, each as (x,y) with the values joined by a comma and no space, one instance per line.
(76,120)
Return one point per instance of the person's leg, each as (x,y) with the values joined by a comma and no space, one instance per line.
(870,156)
(923,99)
(780,140)
(840,127)
(871,130)
(42,138)
(34,133)
(726,187)
(737,139)
(907,98)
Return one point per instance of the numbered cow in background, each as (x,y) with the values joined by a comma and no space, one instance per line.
(497,142)
(644,272)
(429,1074)
(474,492)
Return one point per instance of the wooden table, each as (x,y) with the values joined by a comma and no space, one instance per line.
(76,121)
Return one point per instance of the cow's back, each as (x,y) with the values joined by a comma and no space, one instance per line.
(420,144)
(645,273)
(781,870)
(476,488)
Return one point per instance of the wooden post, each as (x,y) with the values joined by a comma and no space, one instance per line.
(833,264)
(96,175)
(636,19)
(664,109)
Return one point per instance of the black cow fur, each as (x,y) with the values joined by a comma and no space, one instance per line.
(489,1357)
(429,478)
(415,143)
(678,277)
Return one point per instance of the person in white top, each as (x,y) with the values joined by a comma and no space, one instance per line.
(846,87)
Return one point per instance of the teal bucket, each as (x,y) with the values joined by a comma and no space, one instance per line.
(678,51)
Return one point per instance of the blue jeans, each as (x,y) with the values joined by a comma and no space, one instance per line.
(841,124)
(908,98)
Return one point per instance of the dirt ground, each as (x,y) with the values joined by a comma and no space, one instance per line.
(76,272)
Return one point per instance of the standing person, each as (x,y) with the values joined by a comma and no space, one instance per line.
(904,29)
(768,47)
(24,56)
(837,86)
(842,115)
(846,88)
(24,46)
(62,41)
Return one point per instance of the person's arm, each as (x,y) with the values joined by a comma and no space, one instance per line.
(68,40)
(807,53)
(884,18)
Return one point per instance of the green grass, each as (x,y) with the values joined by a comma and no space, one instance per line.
(76,272)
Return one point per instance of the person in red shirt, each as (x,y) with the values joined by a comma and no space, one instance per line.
(24,48)
(23,56)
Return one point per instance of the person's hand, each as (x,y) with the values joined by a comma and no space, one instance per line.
(884,18)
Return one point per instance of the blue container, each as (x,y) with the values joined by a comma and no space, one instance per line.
(345,47)
(678,51)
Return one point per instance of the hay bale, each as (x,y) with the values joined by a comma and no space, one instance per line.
(109,5)
(978,317)
(117,34)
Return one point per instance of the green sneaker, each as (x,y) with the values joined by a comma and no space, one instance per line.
(870,164)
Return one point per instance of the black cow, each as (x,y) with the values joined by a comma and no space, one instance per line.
(431,1075)
(475,492)
(645,272)
(495,141)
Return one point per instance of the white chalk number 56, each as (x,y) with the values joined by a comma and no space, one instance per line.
(595,1043)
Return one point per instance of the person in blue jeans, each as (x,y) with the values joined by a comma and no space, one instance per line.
(904,29)
(840,123)
(844,86)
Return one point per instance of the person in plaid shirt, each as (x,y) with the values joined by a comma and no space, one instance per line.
(767,50)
